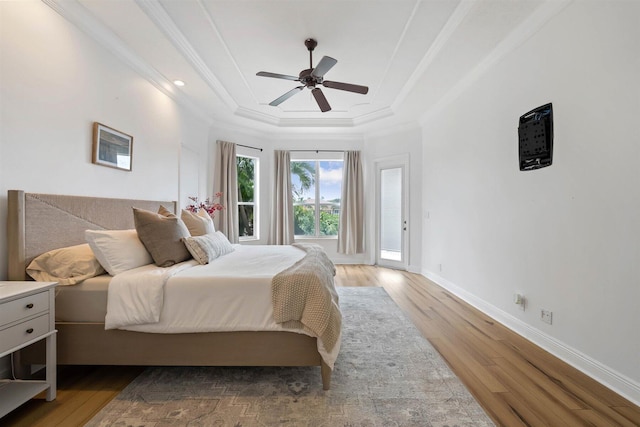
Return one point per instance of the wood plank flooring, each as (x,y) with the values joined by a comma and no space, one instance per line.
(516,382)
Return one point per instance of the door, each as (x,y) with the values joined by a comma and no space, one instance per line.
(391,250)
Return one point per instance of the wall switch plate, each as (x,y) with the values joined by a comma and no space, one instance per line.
(546,316)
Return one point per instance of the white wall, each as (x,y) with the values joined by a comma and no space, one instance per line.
(55,82)
(388,145)
(567,236)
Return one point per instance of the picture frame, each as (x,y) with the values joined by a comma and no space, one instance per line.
(112,148)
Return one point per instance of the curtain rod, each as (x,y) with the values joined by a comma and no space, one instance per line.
(246,146)
(319,151)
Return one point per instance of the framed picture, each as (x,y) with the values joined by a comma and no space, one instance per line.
(111,147)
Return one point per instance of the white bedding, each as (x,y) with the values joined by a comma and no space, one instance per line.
(232,293)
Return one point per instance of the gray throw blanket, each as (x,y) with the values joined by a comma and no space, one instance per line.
(304,296)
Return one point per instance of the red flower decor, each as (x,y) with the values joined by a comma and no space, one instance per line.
(209,206)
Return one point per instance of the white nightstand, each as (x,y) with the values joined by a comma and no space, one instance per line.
(27,315)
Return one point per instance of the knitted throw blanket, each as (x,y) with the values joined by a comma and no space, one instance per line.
(304,296)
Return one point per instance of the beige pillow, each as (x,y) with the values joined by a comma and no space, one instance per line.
(208,247)
(199,223)
(67,266)
(162,236)
(164,211)
(118,250)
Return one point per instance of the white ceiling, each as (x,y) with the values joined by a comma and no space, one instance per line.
(412,54)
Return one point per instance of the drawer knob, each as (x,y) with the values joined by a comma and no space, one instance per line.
(30,330)
(30,305)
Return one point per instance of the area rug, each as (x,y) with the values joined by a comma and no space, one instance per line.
(387,374)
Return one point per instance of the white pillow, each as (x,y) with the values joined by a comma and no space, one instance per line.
(118,250)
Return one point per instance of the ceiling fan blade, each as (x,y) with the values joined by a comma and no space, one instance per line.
(325,64)
(277,76)
(321,100)
(286,96)
(346,86)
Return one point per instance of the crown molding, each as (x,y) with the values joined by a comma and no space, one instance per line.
(250,114)
(395,129)
(407,24)
(79,16)
(320,122)
(291,134)
(454,21)
(225,46)
(373,116)
(516,38)
(154,10)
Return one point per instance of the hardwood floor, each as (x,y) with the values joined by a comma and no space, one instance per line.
(516,382)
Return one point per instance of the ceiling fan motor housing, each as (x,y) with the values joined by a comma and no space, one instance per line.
(308,80)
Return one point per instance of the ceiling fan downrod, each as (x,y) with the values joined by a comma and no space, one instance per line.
(310,44)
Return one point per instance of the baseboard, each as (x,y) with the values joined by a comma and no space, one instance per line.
(414,269)
(349,260)
(608,377)
(346,261)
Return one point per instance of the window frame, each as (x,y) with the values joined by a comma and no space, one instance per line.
(317,158)
(256,196)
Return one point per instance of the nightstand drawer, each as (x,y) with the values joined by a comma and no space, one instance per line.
(21,308)
(23,332)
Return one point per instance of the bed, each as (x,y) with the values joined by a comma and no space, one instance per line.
(38,223)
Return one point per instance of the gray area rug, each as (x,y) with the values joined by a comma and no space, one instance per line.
(387,374)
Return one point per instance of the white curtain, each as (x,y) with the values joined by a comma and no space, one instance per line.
(351,234)
(225,181)
(281,232)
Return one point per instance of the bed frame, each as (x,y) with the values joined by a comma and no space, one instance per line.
(38,223)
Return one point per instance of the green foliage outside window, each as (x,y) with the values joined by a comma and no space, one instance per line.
(304,178)
(304,220)
(329,223)
(246,195)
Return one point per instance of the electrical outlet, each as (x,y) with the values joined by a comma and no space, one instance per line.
(546,316)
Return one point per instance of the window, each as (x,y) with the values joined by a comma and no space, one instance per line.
(247,169)
(316,187)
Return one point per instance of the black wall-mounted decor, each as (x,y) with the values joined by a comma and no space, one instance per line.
(535,135)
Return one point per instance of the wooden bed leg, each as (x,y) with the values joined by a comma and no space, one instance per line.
(325,371)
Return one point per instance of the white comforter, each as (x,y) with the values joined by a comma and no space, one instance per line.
(136,297)
(232,293)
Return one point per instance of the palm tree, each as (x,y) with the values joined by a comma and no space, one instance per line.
(246,181)
(305,171)
(304,222)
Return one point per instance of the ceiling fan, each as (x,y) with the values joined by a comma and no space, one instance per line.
(312,77)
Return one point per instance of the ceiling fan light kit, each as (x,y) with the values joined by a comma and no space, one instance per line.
(312,77)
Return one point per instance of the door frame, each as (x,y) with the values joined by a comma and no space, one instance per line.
(399,161)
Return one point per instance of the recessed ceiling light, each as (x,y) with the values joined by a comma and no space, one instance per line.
(178,83)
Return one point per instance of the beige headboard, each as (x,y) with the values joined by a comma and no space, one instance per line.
(37,223)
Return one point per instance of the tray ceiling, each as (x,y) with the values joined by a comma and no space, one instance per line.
(411,54)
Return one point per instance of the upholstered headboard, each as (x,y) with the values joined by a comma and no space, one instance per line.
(37,223)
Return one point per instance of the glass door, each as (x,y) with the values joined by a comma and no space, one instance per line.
(391,222)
